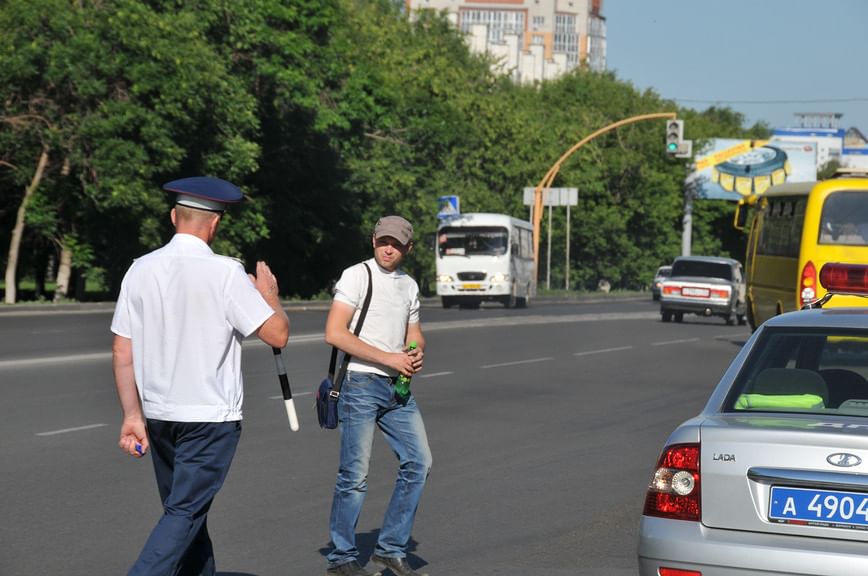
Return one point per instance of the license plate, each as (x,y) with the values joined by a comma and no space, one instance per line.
(688,291)
(829,508)
(472,286)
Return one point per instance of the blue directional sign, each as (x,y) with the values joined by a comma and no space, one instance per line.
(449,206)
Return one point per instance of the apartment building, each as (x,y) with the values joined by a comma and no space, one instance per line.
(531,40)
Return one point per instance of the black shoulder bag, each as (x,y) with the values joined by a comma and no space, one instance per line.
(330,388)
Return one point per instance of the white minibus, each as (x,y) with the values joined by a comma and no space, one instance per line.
(485,257)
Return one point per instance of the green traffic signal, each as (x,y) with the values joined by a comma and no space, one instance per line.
(674,135)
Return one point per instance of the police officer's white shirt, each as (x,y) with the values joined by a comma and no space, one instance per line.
(187,311)
(394,305)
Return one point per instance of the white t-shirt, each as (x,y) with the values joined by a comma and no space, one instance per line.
(187,310)
(394,305)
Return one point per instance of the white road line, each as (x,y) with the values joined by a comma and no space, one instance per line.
(26,362)
(433,375)
(294,395)
(731,336)
(531,361)
(603,351)
(675,342)
(319,337)
(65,430)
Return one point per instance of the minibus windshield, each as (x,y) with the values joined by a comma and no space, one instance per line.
(473,240)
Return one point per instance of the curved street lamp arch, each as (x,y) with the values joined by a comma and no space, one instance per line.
(547,180)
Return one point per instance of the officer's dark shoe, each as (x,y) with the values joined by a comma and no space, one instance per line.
(397,566)
(351,568)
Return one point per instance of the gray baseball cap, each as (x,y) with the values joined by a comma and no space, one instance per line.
(396,227)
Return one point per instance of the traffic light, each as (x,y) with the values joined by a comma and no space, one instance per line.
(674,136)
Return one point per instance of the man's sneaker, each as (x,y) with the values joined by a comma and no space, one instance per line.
(351,568)
(397,566)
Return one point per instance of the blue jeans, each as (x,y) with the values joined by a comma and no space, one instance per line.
(367,400)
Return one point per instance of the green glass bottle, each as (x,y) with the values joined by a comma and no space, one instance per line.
(402,383)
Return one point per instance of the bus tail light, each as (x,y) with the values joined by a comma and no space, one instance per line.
(674,491)
(838,277)
(808,283)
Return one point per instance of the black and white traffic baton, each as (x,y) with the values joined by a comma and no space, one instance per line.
(287,392)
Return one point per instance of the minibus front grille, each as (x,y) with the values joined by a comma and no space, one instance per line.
(471,276)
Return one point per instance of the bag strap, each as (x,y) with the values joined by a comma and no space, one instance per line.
(337,383)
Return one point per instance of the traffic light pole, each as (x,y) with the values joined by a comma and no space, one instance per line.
(687,223)
(687,219)
(547,180)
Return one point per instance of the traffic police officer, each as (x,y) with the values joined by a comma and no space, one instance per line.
(181,316)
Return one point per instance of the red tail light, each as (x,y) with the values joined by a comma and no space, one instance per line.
(720,293)
(678,572)
(674,491)
(808,283)
(837,277)
(675,290)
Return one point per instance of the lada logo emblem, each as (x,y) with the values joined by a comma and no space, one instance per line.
(843,460)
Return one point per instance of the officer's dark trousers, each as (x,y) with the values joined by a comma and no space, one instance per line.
(191,460)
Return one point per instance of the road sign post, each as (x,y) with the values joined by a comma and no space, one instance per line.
(554,197)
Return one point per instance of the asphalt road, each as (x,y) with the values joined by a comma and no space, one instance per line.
(544,423)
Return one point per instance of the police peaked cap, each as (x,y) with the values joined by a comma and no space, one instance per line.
(204,193)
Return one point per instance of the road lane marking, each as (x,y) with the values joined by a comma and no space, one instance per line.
(66,430)
(539,319)
(531,361)
(666,343)
(319,336)
(433,375)
(731,336)
(26,362)
(603,351)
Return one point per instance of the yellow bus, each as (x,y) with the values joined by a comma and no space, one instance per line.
(796,228)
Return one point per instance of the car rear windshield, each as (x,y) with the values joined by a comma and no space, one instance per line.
(703,269)
(809,371)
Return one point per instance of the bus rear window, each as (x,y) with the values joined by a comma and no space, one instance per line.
(845,219)
(469,241)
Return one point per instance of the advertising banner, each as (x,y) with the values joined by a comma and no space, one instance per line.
(730,169)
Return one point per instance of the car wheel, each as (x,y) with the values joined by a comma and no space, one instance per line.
(523,301)
(446,301)
(679,317)
(666,316)
(510,301)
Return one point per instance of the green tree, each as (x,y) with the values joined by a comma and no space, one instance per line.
(125,97)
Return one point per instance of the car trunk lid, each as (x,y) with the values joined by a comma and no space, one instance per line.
(762,472)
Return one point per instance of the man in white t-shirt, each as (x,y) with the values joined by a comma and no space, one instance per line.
(367,400)
(178,323)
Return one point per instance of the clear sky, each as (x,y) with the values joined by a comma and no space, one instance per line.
(764,58)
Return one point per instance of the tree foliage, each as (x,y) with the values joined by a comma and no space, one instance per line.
(329,114)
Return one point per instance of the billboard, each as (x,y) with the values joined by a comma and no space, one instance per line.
(730,169)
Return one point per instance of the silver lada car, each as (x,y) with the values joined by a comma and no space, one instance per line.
(771,477)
